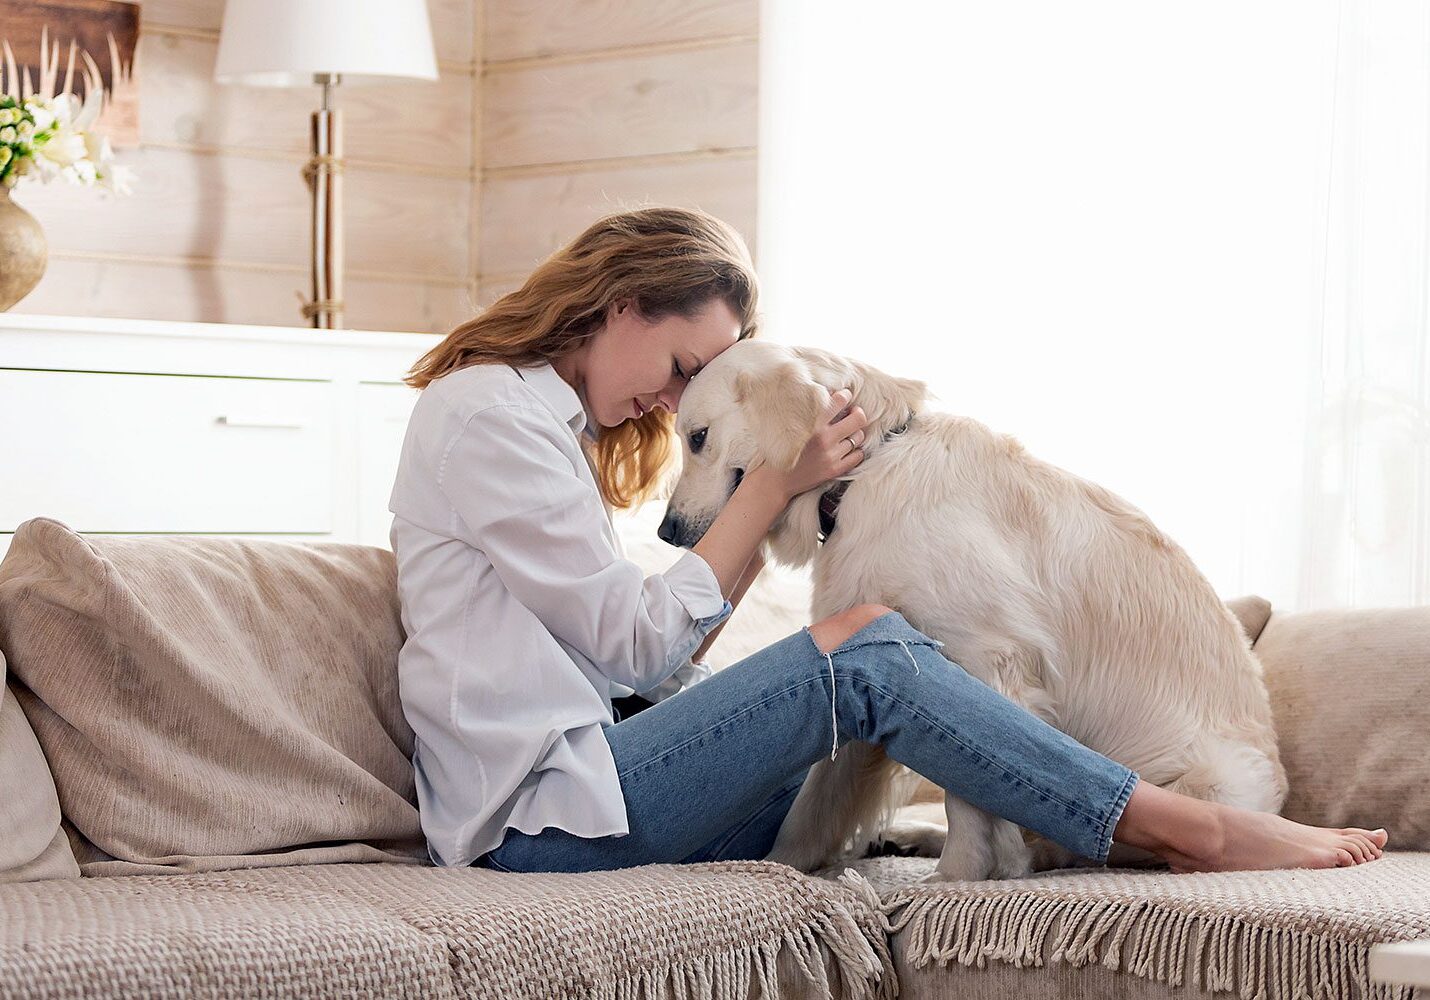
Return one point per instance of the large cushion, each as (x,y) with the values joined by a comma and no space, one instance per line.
(1094,934)
(1252,612)
(32,845)
(214,702)
(1350,692)
(720,930)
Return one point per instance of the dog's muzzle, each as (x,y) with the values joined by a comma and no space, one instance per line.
(674,530)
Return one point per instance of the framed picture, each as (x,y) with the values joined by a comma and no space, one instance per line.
(106,29)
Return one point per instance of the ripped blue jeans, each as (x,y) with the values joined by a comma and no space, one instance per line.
(709,774)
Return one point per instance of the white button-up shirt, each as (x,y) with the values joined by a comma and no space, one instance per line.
(523,618)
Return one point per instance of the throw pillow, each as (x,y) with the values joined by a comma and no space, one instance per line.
(212,703)
(32,845)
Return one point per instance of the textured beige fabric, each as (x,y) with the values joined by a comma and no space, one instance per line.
(214,702)
(1277,935)
(32,845)
(1350,693)
(1253,613)
(719,930)
(1058,981)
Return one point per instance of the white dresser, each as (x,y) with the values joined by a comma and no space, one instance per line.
(140,426)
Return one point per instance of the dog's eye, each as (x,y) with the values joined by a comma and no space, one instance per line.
(697,439)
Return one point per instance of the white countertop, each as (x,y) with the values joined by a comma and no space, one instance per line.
(225,331)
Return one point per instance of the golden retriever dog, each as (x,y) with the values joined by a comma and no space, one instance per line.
(1052,590)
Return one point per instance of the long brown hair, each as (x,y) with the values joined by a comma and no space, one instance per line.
(667,261)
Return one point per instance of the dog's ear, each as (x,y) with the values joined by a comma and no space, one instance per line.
(887,400)
(782,404)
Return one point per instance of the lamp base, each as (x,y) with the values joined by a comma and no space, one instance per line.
(323,174)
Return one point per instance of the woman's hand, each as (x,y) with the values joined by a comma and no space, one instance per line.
(829,453)
(764,492)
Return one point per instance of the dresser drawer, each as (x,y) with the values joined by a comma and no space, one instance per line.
(383,412)
(166,453)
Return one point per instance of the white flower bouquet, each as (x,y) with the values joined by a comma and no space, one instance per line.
(47,134)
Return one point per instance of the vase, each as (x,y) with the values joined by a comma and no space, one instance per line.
(23,251)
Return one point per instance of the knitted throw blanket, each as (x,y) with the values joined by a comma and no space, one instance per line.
(713,931)
(1275,935)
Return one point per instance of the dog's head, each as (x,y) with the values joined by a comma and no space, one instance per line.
(759,402)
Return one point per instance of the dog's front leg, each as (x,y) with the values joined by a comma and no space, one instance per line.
(979,846)
(823,816)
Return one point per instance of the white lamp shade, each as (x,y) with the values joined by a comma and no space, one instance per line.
(282,43)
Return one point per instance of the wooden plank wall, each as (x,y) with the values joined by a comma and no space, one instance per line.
(590,107)
(548,113)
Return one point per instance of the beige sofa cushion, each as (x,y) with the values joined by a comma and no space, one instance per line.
(1350,692)
(1252,613)
(214,702)
(32,845)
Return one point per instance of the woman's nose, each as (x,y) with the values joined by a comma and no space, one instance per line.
(670,398)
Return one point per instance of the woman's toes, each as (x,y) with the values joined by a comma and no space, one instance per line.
(1374,840)
(1377,838)
(1344,858)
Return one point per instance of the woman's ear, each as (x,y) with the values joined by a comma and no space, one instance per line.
(781,404)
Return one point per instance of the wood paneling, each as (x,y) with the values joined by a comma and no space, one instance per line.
(454,190)
(525,218)
(698,100)
(420,123)
(256,210)
(595,106)
(184,290)
(495,286)
(518,29)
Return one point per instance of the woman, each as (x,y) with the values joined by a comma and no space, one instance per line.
(523,619)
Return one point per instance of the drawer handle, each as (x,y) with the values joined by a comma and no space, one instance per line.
(245,421)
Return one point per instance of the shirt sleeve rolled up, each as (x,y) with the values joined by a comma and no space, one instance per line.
(515,495)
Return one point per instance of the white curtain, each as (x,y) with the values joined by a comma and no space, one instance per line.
(1177,249)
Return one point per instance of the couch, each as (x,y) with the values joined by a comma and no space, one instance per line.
(206,792)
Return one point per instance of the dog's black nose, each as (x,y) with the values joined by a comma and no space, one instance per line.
(670,529)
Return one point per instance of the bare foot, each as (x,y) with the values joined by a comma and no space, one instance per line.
(1253,840)
(1197,836)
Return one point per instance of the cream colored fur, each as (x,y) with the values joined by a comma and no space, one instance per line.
(1044,585)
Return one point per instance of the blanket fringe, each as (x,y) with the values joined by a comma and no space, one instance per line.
(1215,952)
(858,943)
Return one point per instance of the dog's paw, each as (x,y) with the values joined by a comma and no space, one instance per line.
(1011,867)
(800,857)
(968,873)
(912,839)
(961,868)
(883,848)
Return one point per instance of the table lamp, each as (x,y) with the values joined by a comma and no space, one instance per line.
(297,43)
